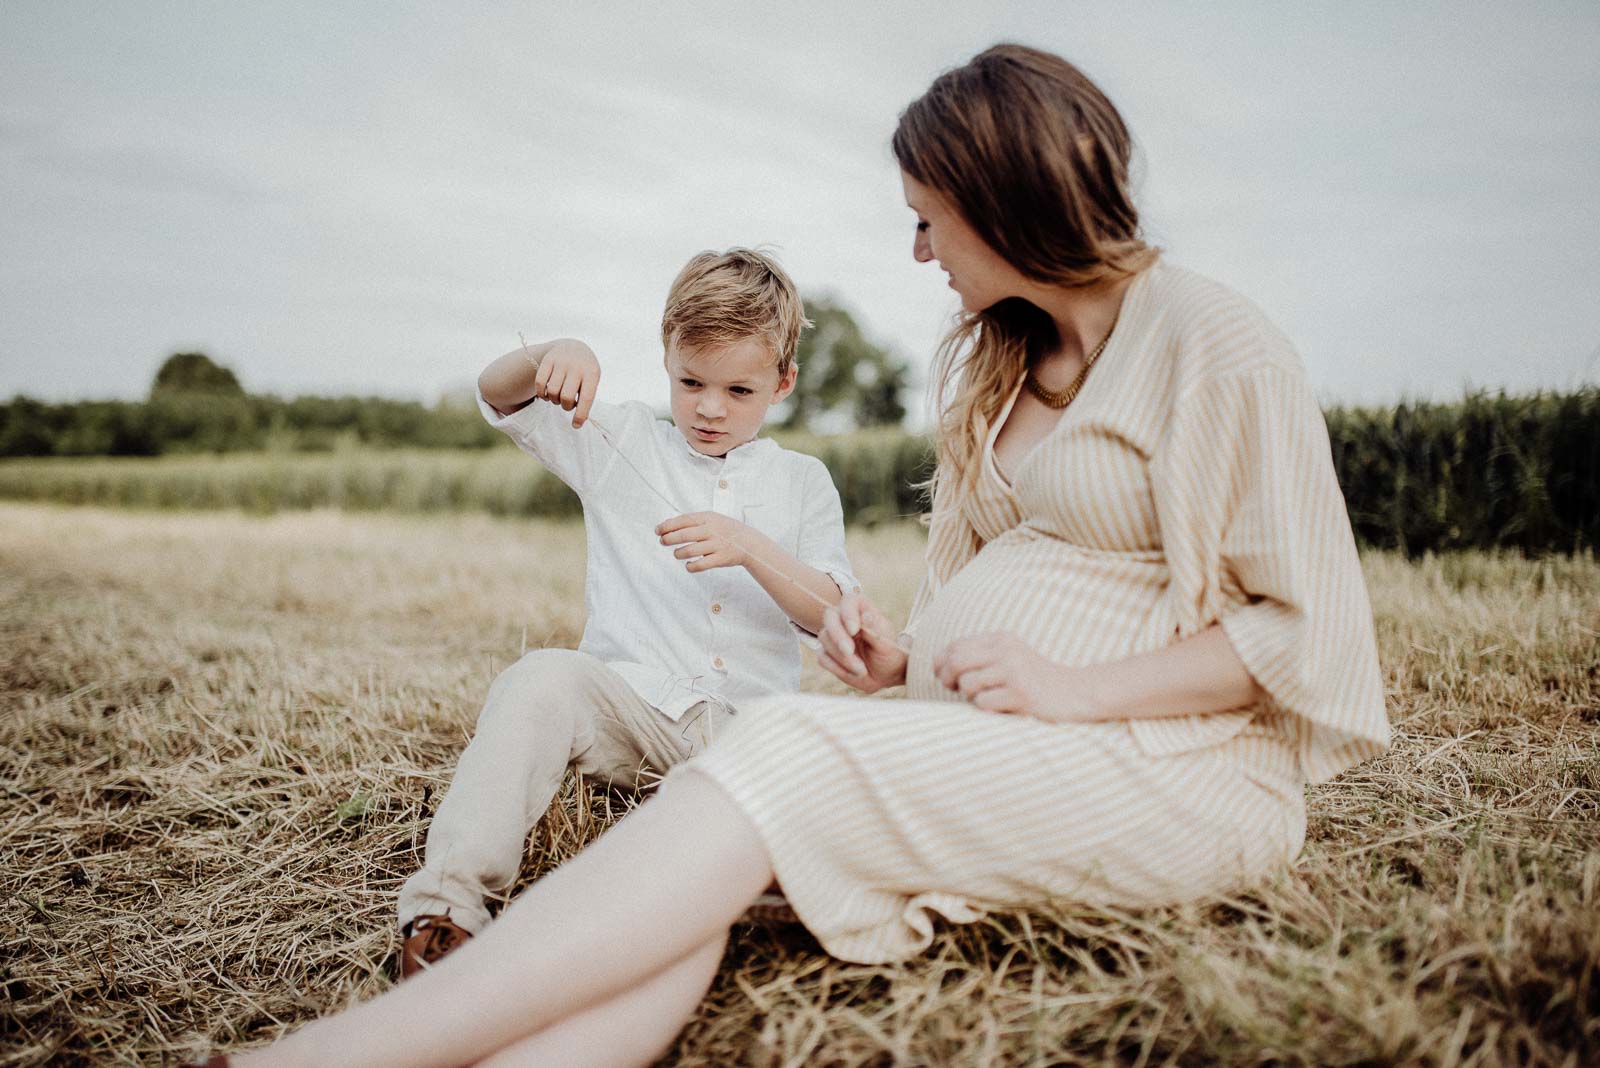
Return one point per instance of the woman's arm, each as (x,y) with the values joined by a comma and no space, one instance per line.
(1001,673)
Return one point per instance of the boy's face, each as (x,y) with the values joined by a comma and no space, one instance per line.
(720,395)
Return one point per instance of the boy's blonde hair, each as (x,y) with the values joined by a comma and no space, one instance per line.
(723,297)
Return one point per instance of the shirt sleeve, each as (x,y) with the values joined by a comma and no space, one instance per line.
(544,431)
(821,540)
(1258,538)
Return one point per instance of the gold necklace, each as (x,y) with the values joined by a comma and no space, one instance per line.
(1054,398)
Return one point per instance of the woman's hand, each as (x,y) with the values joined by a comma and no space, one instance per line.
(858,646)
(1000,673)
(707,540)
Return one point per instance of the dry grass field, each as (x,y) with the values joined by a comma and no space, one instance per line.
(222,737)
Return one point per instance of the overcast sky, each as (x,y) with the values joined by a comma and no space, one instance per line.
(377,198)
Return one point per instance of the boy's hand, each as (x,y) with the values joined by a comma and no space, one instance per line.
(858,646)
(568,375)
(707,540)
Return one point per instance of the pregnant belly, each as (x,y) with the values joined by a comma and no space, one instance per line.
(1070,605)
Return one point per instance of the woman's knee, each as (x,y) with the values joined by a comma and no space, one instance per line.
(780,714)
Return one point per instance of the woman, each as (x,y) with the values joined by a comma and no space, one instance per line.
(1142,631)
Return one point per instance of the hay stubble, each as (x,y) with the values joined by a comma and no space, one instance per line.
(223,736)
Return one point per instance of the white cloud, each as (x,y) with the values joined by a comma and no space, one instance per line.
(365,198)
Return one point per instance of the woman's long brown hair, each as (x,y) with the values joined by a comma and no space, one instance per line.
(1036,158)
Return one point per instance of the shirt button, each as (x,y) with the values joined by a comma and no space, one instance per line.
(715,608)
(717,663)
(722,483)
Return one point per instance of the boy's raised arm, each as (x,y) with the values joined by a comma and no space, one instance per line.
(564,371)
(560,374)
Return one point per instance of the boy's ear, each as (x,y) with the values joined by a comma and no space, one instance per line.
(786,382)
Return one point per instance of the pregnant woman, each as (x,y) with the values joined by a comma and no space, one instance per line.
(1143,630)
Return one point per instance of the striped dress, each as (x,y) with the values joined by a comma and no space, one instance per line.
(1190,483)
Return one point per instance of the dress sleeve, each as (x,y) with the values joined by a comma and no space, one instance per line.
(1258,538)
(952,543)
(545,432)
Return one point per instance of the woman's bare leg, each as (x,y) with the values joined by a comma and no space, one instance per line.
(633,1028)
(665,881)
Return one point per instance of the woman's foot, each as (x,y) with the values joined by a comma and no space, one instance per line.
(428,938)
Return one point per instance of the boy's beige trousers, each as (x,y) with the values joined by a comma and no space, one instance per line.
(551,709)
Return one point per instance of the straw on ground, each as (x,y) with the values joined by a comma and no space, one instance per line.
(223,736)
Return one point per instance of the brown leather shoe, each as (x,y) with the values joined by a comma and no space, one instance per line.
(428,938)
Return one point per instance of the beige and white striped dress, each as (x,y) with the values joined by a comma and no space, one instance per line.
(1190,482)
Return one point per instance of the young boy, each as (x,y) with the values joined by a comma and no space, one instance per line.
(707,548)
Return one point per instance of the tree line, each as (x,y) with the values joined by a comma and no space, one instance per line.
(198,405)
(1487,471)
(191,422)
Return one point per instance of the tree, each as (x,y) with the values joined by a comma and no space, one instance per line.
(194,372)
(845,380)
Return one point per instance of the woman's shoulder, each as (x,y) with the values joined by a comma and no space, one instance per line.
(1210,330)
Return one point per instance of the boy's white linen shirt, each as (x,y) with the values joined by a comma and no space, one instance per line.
(680,638)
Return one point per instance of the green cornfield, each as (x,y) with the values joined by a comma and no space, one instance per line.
(1489,471)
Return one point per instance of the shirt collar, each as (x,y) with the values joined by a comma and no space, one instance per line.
(749,450)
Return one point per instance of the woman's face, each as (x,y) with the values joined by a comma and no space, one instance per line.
(978,273)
